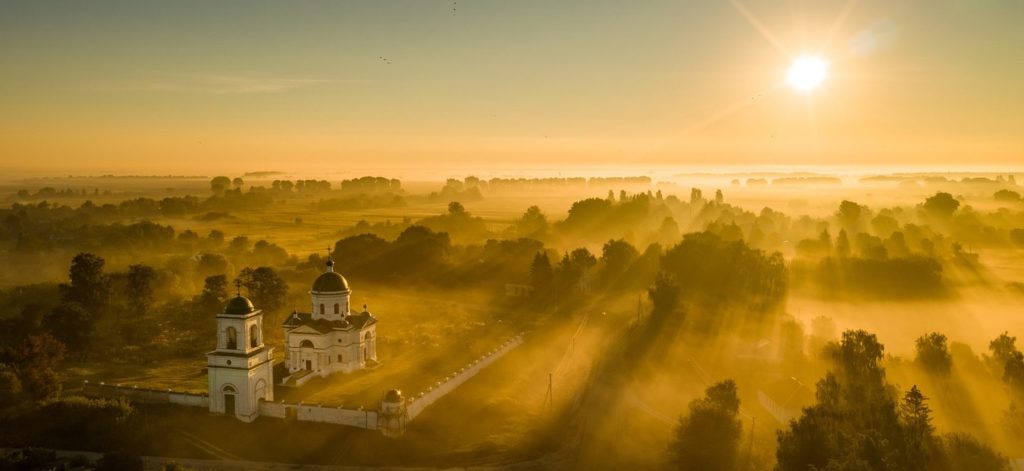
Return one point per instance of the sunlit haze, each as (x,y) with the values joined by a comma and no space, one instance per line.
(199,87)
(594,235)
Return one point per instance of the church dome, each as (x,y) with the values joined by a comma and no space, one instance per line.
(330,282)
(239,305)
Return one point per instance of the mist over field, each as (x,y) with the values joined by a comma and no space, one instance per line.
(700,321)
(586,235)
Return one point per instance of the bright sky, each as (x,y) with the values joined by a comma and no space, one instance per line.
(200,86)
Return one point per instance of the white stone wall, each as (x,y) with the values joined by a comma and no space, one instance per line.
(366,419)
(137,394)
(417,403)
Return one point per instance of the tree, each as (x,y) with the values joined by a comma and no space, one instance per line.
(668,232)
(89,287)
(541,272)
(718,273)
(10,386)
(923,447)
(1002,348)
(119,461)
(664,295)
(215,292)
(218,185)
(696,196)
(215,238)
(417,249)
(854,421)
(532,224)
(211,264)
(849,214)
(239,245)
(73,326)
(617,255)
(267,253)
(966,452)
(708,438)
(1013,374)
(842,244)
(140,289)
(941,205)
(267,289)
(355,252)
(34,361)
(581,259)
(237,182)
(857,423)
(456,208)
(1007,195)
(933,354)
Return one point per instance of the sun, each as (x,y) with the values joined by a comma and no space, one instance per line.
(807,73)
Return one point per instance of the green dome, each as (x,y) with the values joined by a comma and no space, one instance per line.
(330,282)
(239,305)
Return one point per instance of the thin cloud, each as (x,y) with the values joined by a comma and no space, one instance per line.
(233,85)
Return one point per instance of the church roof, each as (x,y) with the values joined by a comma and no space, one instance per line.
(362,319)
(329,282)
(239,305)
(351,322)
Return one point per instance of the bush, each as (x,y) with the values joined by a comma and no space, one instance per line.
(119,461)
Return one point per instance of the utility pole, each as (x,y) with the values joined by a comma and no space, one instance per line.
(549,398)
(750,451)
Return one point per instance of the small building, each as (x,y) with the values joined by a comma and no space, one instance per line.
(515,290)
(393,415)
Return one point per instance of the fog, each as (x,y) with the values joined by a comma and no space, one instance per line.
(649,304)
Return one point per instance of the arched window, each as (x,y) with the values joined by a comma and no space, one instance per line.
(261,389)
(306,344)
(232,338)
(321,309)
(254,340)
(229,389)
(337,308)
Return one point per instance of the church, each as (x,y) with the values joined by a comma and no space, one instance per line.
(331,338)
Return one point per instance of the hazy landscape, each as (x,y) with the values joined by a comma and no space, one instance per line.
(643,293)
(581,235)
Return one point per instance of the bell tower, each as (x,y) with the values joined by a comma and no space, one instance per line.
(240,369)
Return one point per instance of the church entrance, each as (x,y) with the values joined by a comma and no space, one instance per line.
(229,399)
(309,365)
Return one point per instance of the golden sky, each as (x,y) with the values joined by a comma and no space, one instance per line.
(198,87)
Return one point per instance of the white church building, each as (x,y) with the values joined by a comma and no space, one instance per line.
(240,369)
(329,339)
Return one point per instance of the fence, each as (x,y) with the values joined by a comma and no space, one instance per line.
(416,404)
(316,413)
(135,393)
(361,418)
